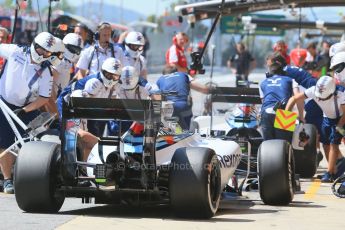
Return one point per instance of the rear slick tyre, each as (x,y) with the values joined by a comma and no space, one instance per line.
(36,178)
(195,182)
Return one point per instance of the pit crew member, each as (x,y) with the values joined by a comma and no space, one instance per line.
(25,86)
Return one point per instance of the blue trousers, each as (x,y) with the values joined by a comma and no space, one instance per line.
(184,112)
(328,133)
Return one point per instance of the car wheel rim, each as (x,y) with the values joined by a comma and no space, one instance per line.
(214,183)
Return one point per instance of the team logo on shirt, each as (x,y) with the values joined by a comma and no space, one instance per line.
(50,41)
(274,81)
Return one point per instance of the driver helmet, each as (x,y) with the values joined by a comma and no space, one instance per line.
(129,78)
(338,66)
(42,47)
(58,54)
(325,87)
(74,44)
(134,44)
(111,66)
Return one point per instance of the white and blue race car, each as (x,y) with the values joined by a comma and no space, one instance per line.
(187,171)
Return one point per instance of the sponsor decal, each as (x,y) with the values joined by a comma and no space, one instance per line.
(229,161)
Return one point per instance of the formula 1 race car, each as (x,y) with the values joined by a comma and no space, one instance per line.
(186,171)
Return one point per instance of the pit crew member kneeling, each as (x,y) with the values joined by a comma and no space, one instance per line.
(99,85)
(131,87)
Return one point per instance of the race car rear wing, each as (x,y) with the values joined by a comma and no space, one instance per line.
(236,95)
(117,109)
(146,111)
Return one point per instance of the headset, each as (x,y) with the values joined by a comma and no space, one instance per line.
(174,39)
(99,27)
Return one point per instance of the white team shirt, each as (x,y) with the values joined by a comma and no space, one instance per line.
(98,57)
(19,71)
(64,74)
(329,106)
(138,63)
(301,89)
(138,92)
(95,88)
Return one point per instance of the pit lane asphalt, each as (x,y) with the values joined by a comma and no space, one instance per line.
(315,207)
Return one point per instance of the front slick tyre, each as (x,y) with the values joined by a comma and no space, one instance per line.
(36,177)
(195,182)
(276,172)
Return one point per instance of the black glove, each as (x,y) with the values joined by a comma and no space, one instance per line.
(212,90)
(19,112)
